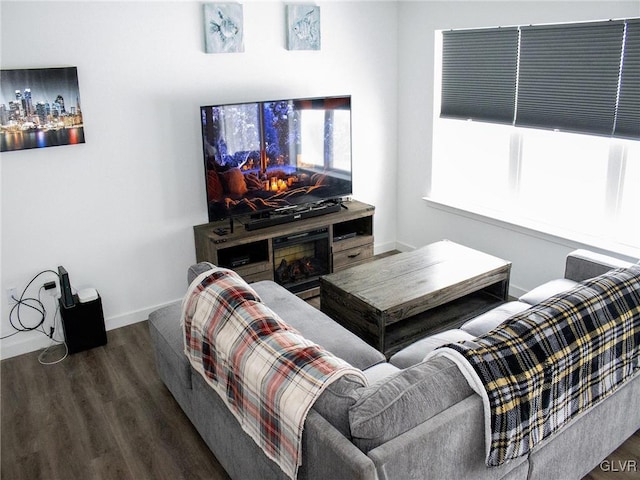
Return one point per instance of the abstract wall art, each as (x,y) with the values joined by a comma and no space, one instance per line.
(303,27)
(223,28)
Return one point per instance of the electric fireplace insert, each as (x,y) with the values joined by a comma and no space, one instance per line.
(299,260)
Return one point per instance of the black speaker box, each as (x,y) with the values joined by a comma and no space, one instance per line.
(83,325)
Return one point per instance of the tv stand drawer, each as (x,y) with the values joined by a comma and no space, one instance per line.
(352,257)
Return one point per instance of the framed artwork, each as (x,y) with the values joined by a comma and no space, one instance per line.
(303,27)
(40,107)
(223,28)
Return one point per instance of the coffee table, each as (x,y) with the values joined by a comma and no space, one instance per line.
(393,301)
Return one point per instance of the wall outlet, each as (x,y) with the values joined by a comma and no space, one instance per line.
(12,295)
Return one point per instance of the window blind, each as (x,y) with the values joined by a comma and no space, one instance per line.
(577,77)
(479,74)
(569,76)
(628,114)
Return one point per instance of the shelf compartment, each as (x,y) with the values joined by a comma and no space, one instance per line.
(245,254)
(444,317)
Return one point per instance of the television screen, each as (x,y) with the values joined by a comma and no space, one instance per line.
(271,155)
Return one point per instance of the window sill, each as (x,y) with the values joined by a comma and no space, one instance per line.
(545,232)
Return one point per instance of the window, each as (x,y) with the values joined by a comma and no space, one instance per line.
(325,135)
(474,170)
(626,216)
(584,187)
(563,180)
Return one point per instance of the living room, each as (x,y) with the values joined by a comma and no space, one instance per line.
(118,211)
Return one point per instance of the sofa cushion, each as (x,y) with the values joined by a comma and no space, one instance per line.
(547,290)
(317,327)
(380,372)
(415,353)
(334,402)
(406,399)
(489,320)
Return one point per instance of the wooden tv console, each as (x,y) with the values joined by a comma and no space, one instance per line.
(254,254)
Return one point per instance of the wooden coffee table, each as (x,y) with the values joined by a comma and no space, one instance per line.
(393,301)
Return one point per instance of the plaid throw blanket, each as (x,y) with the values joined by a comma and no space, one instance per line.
(544,366)
(268,375)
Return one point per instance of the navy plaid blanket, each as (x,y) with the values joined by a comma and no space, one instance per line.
(267,374)
(544,366)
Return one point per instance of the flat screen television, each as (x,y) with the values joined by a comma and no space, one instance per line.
(271,155)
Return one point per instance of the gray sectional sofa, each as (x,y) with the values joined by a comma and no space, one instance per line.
(416,419)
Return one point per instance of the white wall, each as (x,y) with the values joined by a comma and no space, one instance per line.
(118,211)
(536,258)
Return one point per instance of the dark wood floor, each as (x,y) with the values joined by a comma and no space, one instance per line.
(100,414)
(105,414)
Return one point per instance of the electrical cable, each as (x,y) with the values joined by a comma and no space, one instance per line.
(31,303)
(55,342)
(37,305)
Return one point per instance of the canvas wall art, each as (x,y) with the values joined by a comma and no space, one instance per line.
(303,27)
(40,107)
(223,28)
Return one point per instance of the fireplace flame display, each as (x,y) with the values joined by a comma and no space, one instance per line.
(301,258)
(297,270)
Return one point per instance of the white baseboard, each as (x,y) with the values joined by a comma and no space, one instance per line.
(405,247)
(379,248)
(516,291)
(27,342)
(133,317)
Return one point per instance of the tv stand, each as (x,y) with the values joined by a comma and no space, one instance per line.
(256,254)
(291,214)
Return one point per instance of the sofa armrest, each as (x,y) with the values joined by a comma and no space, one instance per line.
(197,269)
(584,264)
(449,445)
(326,453)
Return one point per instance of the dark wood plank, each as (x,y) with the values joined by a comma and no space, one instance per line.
(103,413)
(622,464)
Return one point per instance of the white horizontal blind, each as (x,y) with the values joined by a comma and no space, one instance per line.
(479,74)
(628,115)
(569,76)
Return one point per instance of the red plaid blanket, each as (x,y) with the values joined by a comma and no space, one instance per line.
(267,373)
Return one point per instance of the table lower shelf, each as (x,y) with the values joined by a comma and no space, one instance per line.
(389,337)
(450,315)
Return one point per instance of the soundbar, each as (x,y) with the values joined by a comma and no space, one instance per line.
(280,218)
